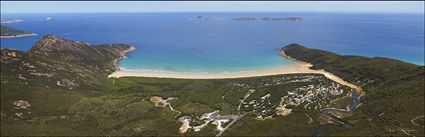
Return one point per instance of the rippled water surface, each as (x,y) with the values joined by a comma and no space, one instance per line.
(175,42)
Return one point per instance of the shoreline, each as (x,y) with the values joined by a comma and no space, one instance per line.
(284,69)
(122,56)
(299,67)
(18,36)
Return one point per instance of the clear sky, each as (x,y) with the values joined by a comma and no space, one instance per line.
(211,6)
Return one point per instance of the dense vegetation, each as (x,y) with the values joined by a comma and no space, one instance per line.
(60,87)
(394,90)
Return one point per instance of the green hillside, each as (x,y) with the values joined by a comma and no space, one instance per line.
(61,87)
(394,90)
(11,32)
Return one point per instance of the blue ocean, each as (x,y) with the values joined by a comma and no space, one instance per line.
(216,43)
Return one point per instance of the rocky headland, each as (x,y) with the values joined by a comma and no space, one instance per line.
(7,32)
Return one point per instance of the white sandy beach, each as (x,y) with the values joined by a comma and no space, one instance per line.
(297,67)
(286,69)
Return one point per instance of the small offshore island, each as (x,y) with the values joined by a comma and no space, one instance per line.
(7,32)
(63,87)
(267,19)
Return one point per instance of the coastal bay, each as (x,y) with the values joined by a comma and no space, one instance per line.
(197,45)
(256,69)
(314,97)
(299,67)
(237,75)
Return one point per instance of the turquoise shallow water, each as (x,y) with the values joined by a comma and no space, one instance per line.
(174,42)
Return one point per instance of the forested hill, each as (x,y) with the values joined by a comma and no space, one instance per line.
(60,88)
(394,89)
(55,61)
(7,32)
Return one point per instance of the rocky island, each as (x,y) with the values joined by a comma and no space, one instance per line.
(244,18)
(282,19)
(205,18)
(267,19)
(7,32)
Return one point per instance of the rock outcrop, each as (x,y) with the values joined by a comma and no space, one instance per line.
(54,59)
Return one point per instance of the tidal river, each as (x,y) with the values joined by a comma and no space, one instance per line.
(335,121)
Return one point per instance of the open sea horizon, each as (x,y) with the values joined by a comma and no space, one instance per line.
(182,42)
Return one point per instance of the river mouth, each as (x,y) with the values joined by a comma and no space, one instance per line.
(331,116)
